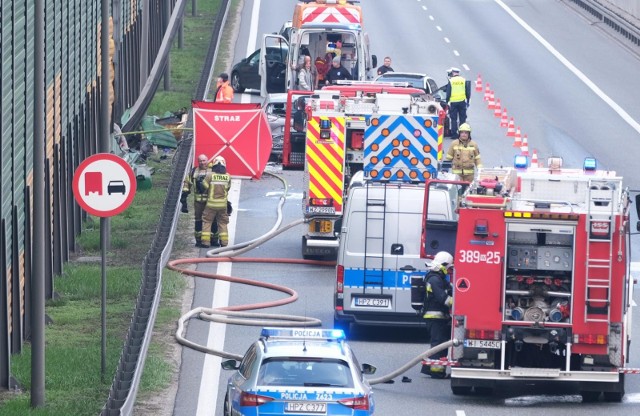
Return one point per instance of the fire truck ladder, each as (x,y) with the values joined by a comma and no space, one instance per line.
(375,213)
(601,267)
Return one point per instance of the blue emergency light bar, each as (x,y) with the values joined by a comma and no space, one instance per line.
(520,162)
(303,333)
(325,124)
(590,164)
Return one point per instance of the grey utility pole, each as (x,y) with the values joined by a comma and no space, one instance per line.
(38,253)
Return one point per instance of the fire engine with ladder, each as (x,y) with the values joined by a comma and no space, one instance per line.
(542,289)
(391,132)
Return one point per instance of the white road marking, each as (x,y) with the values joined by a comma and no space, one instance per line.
(431,17)
(424,8)
(466,67)
(447,40)
(439,28)
(251,44)
(582,77)
(207,397)
(456,53)
(460,413)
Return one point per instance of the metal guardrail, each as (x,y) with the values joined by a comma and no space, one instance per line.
(630,31)
(124,388)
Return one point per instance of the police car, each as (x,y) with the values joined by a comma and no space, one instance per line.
(296,371)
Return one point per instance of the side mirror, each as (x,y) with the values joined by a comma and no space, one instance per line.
(638,226)
(230,365)
(368,369)
(374,61)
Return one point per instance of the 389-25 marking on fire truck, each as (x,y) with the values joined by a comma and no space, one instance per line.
(475,256)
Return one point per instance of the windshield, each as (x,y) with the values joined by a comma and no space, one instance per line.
(305,372)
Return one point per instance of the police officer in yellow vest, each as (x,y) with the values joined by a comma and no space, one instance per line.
(458,94)
(194,183)
(464,154)
(217,184)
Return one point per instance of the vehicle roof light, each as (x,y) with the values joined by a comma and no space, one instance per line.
(520,162)
(303,333)
(590,164)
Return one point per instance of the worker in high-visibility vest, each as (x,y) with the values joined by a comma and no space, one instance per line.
(194,183)
(458,92)
(217,207)
(464,155)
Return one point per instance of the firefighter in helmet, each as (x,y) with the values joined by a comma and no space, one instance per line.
(217,183)
(194,182)
(464,154)
(437,305)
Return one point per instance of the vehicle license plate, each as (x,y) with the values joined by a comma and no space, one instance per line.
(481,343)
(321,210)
(375,302)
(306,407)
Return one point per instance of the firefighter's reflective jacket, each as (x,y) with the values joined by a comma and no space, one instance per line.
(190,184)
(217,185)
(465,157)
(438,300)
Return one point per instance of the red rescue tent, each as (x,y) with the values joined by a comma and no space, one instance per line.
(238,132)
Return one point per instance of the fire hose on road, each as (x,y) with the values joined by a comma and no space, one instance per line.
(239,314)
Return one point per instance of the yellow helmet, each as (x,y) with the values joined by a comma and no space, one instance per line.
(465,127)
(219,160)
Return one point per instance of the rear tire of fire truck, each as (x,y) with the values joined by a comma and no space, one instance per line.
(590,396)
(615,396)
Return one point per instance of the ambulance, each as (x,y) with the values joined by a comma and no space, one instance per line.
(321,29)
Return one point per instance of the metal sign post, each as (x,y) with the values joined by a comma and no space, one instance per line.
(104,185)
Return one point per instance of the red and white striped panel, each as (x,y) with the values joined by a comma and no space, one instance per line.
(324,14)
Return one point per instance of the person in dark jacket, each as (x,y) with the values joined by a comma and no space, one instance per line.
(337,72)
(437,305)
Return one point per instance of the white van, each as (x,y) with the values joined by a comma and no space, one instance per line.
(380,246)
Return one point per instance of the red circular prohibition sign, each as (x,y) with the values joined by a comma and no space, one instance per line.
(90,179)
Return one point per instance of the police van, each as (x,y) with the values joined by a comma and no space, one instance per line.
(380,248)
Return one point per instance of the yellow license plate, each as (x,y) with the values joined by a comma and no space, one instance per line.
(320,226)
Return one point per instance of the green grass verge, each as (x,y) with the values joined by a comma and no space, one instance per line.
(73,381)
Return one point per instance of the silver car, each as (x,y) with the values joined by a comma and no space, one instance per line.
(298,371)
(275,106)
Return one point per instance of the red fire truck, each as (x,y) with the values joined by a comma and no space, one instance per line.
(542,290)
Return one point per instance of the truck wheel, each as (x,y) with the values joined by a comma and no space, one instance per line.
(613,396)
(590,396)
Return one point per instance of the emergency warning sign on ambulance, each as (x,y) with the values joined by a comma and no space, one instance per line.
(104,185)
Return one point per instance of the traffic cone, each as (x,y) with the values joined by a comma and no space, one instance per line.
(534,159)
(511,131)
(504,121)
(497,112)
(487,90)
(479,83)
(517,139)
(524,150)
(491,104)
